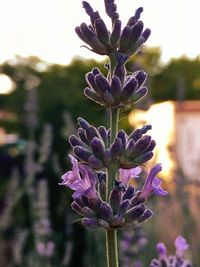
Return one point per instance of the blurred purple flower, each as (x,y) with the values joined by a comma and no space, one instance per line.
(81,179)
(45,249)
(181,245)
(126,174)
(162,250)
(153,184)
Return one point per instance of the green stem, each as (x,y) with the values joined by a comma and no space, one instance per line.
(112,169)
(111,235)
(111,248)
(114,117)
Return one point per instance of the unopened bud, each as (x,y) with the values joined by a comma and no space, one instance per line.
(146,215)
(115,199)
(129,193)
(102,31)
(82,153)
(95,163)
(90,222)
(135,212)
(97,147)
(105,211)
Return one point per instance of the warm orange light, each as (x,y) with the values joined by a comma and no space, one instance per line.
(7,86)
(161,117)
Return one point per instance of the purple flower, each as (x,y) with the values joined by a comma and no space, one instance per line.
(162,250)
(126,174)
(81,179)
(153,184)
(181,245)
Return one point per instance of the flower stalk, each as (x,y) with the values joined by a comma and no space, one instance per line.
(111,248)
(105,160)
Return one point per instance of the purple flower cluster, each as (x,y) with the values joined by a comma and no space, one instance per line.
(176,260)
(126,206)
(121,91)
(100,40)
(92,146)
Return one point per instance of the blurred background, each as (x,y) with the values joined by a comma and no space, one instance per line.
(42,69)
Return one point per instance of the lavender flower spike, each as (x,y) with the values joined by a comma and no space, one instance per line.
(81,179)
(153,184)
(181,245)
(126,174)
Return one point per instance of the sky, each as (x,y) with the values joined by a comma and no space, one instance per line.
(45,28)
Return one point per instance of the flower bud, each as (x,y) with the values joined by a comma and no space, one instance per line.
(82,135)
(124,39)
(135,212)
(116,147)
(115,34)
(74,141)
(87,33)
(80,34)
(141,77)
(120,72)
(105,211)
(123,207)
(83,123)
(102,83)
(82,153)
(88,8)
(151,146)
(87,212)
(111,10)
(141,144)
(115,198)
(129,148)
(102,31)
(107,157)
(129,89)
(136,17)
(89,93)
(128,193)
(135,135)
(108,98)
(139,94)
(146,215)
(116,88)
(91,133)
(143,158)
(97,147)
(104,134)
(136,31)
(91,81)
(96,71)
(123,136)
(90,222)
(145,128)
(95,163)
(146,34)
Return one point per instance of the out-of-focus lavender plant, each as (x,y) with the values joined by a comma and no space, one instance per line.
(176,260)
(131,245)
(45,247)
(9,201)
(18,246)
(106,160)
